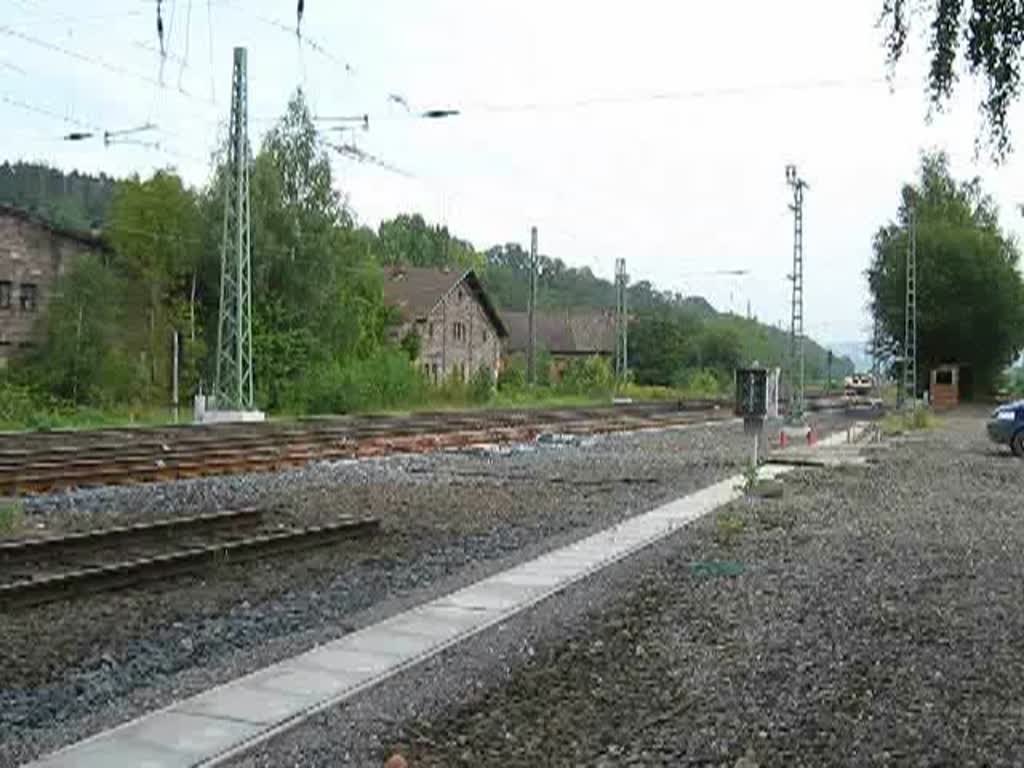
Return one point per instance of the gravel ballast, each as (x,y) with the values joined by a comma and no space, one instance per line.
(872,616)
(71,669)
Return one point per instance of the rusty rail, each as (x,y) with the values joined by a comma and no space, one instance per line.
(103,578)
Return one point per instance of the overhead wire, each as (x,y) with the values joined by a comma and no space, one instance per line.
(93,60)
(209,35)
(184,61)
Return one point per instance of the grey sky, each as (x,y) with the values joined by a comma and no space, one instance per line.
(657,131)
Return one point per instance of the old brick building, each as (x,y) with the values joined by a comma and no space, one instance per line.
(33,255)
(459,329)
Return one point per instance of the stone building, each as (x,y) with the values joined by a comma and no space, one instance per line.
(33,255)
(565,334)
(459,329)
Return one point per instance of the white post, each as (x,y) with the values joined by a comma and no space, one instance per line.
(174,378)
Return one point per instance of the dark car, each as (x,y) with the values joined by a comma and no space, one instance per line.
(1006,426)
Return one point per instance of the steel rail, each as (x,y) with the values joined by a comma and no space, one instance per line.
(18,552)
(104,578)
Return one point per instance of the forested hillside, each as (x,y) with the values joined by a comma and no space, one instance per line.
(673,336)
(72,200)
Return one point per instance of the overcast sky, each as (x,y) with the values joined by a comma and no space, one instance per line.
(654,131)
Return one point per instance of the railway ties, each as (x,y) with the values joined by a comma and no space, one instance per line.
(44,462)
(35,571)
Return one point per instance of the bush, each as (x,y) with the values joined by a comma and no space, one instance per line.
(24,407)
(512,375)
(698,382)
(592,375)
(386,379)
(481,386)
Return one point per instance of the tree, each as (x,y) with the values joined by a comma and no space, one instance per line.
(990,35)
(155,229)
(970,297)
(82,358)
(408,239)
(316,287)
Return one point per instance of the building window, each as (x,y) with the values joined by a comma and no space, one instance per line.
(459,331)
(5,294)
(460,294)
(29,297)
(430,330)
(483,336)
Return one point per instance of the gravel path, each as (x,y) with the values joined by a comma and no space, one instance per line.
(448,519)
(871,617)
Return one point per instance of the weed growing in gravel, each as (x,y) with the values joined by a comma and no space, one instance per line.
(12,517)
(728,529)
(750,478)
(908,421)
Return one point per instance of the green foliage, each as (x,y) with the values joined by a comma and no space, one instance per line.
(68,200)
(750,477)
(908,421)
(155,227)
(481,385)
(700,383)
(513,374)
(12,517)
(85,357)
(326,312)
(591,375)
(409,240)
(411,344)
(383,380)
(970,294)
(990,35)
(728,528)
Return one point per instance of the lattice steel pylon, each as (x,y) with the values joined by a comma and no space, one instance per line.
(233,385)
(621,321)
(796,323)
(910,324)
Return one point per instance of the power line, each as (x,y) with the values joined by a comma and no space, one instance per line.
(16,102)
(659,96)
(97,62)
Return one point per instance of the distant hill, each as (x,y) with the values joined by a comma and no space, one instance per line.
(505,274)
(856,351)
(71,200)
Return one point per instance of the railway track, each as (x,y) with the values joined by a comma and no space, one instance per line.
(48,461)
(34,571)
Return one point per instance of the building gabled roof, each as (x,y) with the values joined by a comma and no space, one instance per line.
(564,332)
(90,239)
(416,291)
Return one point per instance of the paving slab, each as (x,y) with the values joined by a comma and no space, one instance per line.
(206,729)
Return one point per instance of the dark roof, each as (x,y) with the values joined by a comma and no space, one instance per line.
(415,291)
(90,239)
(564,332)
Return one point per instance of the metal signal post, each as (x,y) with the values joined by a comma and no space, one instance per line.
(796,323)
(531,352)
(233,387)
(621,321)
(910,327)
